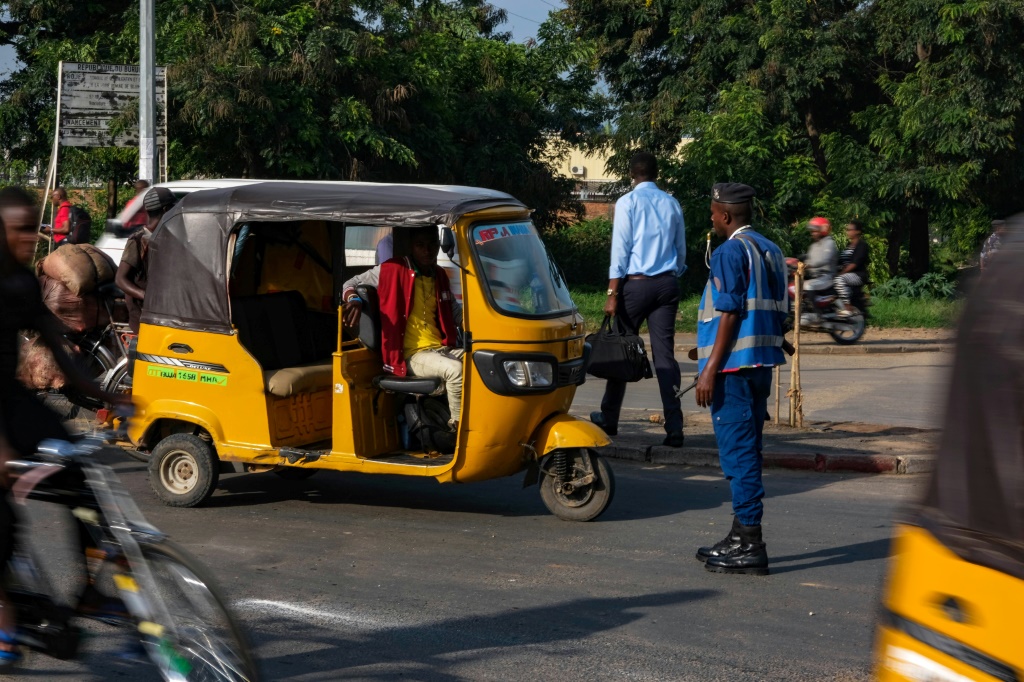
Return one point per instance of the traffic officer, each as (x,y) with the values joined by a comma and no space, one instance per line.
(739,340)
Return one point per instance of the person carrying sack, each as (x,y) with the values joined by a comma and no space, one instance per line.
(648,258)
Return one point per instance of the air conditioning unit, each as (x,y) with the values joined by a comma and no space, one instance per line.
(577,170)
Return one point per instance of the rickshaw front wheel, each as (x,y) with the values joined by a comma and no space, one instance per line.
(576,484)
(183,470)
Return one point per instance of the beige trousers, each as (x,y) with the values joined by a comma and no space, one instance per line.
(445,364)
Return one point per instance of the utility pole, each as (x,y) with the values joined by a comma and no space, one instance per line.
(147,91)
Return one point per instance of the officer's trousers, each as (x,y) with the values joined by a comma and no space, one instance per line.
(738,411)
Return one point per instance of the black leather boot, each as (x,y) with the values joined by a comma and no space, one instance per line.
(749,557)
(723,546)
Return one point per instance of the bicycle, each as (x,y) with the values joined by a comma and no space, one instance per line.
(181,621)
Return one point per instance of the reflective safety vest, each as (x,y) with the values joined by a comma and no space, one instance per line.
(759,338)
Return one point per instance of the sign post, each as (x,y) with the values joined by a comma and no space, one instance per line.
(147,92)
(94,97)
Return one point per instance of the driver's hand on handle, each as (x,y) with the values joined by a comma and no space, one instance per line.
(353,311)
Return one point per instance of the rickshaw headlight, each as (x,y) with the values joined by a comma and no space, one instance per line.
(529,373)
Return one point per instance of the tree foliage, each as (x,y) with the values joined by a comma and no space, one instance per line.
(385,90)
(904,113)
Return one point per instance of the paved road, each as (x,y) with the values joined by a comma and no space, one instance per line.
(347,577)
(908,389)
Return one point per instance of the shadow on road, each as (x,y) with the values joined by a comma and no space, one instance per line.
(638,495)
(831,556)
(431,650)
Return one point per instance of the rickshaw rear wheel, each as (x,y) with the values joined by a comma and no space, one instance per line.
(584,492)
(183,470)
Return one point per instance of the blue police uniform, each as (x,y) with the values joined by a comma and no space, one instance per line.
(748,277)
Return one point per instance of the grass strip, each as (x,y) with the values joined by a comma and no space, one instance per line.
(918,313)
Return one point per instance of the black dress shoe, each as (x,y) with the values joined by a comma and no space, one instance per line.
(727,544)
(598,418)
(750,557)
(674,439)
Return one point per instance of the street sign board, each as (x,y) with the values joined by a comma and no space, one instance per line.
(92,96)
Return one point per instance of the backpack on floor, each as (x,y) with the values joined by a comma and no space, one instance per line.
(428,425)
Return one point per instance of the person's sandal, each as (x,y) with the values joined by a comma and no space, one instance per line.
(10,652)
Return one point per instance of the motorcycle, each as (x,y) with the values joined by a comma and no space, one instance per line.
(823,311)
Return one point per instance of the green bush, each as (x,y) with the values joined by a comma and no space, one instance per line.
(582,251)
(932,285)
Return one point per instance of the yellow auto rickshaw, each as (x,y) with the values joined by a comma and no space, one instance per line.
(955,590)
(244,362)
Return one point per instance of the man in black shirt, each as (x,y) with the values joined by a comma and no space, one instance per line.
(853,265)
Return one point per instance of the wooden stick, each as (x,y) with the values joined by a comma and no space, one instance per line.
(798,398)
(778,389)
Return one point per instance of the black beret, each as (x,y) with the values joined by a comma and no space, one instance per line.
(158,199)
(732,193)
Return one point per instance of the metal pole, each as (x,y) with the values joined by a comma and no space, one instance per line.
(147,91)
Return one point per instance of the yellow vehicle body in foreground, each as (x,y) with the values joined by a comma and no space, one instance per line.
(199,385)
(945,619)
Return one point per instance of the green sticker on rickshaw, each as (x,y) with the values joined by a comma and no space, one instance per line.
(161,372)
(215,379)
(189,375)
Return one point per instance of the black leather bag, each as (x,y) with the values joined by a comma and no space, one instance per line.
(617,354)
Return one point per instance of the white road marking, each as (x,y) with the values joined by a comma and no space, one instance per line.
(275,608)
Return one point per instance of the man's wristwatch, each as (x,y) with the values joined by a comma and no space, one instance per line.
(612,292)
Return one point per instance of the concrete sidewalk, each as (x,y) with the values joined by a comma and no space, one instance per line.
(875,341)
(823,447)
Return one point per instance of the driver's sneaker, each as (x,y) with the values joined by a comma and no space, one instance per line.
(95,604)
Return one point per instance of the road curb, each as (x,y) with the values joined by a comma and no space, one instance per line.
(806,461)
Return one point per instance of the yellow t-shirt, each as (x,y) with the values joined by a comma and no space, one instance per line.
(421,329)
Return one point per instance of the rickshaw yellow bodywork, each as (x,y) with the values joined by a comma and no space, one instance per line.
(946,619)
(351,423)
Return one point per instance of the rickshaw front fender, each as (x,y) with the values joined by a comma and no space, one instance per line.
(564,431)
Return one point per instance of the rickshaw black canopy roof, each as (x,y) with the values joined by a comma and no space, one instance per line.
(974,503)
(187,283)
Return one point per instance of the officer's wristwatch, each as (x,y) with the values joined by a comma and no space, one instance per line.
(612,292)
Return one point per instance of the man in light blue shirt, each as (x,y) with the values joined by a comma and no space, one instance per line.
(648,258)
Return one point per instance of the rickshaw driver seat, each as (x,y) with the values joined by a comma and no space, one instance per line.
(369,336)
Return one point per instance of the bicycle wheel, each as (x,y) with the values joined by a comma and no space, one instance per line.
(200,640)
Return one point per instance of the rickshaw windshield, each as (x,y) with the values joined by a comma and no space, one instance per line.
(521,278)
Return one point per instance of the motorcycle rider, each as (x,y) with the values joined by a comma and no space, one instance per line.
(24,420)
(822,259)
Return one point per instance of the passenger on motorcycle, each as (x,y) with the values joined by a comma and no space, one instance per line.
(24,420)
(853,264)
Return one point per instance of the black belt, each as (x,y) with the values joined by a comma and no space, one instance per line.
(668,273)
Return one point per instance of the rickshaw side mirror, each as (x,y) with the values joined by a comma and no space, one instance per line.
(448,241)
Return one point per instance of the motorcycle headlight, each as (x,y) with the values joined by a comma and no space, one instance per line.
(529,373)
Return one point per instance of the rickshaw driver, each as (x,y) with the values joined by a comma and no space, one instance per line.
(419,316)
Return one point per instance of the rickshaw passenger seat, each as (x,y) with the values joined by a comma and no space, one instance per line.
(275,328)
